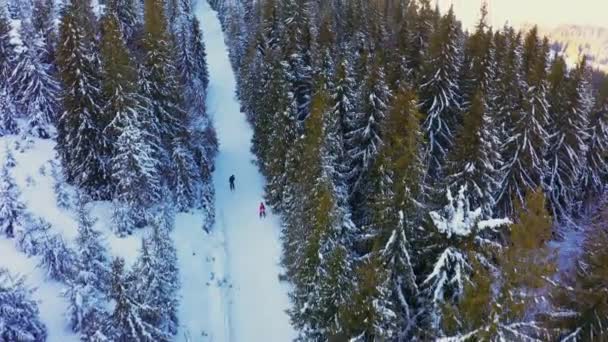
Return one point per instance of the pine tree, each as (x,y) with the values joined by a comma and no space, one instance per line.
(127,322)
(43,18)
(471,163)
(156,288)
(464,237)
(401,206)
(57,260)
(523,152)
(63,197)
(319,265)
(597,169)
(7,49)
(496,306)
(11,207)
(296,54)
(363,138)
(81,145)
(568,136)
(30,239)
(93,263)
(35,87)
(134,166)
(439,94)
(125,13)
(19,315)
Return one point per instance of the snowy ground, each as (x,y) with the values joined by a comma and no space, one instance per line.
(230,286)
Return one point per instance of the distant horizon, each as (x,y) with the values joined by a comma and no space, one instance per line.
(545,13)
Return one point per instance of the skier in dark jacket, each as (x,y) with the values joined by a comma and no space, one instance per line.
(262,210)
(231,180)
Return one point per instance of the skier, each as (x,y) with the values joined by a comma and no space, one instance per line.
(231,180)
(262,210)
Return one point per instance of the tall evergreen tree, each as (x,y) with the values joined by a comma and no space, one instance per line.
(19,314)
(440,97)
(127,322)
(363,138)
(568,134)
(523,152)
(596,168)
(35,85)
(471,164)
(81,145)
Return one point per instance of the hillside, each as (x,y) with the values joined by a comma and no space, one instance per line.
(576,40)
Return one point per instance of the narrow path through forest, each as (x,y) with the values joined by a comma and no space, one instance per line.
(230,285)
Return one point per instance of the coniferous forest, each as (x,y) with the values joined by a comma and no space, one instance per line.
(120,87)
(431,180)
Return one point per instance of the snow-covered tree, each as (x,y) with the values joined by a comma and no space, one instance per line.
(567,148)
(464,232)
(525,147)
(155,288)
(31,238)
(57,260)
(62,194)
(93,265)
(43,21)
(82,147)
(128,321)
(499,303)
(11,207)
(186,180)
(36,89)
(19,315)
(580,300)
(596,170)
(439,93)
(9,157)
(363,139)
(125,12)
(8,122)
(471,163)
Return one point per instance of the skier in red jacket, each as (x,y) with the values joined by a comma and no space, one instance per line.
(262,210)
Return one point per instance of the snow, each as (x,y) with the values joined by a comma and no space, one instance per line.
(230,288)
(39,199)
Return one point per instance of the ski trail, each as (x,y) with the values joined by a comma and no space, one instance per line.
(252,301)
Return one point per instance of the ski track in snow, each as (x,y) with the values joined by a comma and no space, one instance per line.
(230,289)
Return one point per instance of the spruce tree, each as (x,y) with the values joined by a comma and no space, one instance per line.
(81,145)
(319,266)
(567,143)
(57,260)
(19,314)
(470,165)
(497,307)
(523,152)
(596,168)
(30,239)
(125,12)
(127,322)
(35,85)
(363,138)
(11,207)
(43,18)
(439,94)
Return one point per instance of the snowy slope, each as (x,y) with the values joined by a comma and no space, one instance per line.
(230,286)
(39,199)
